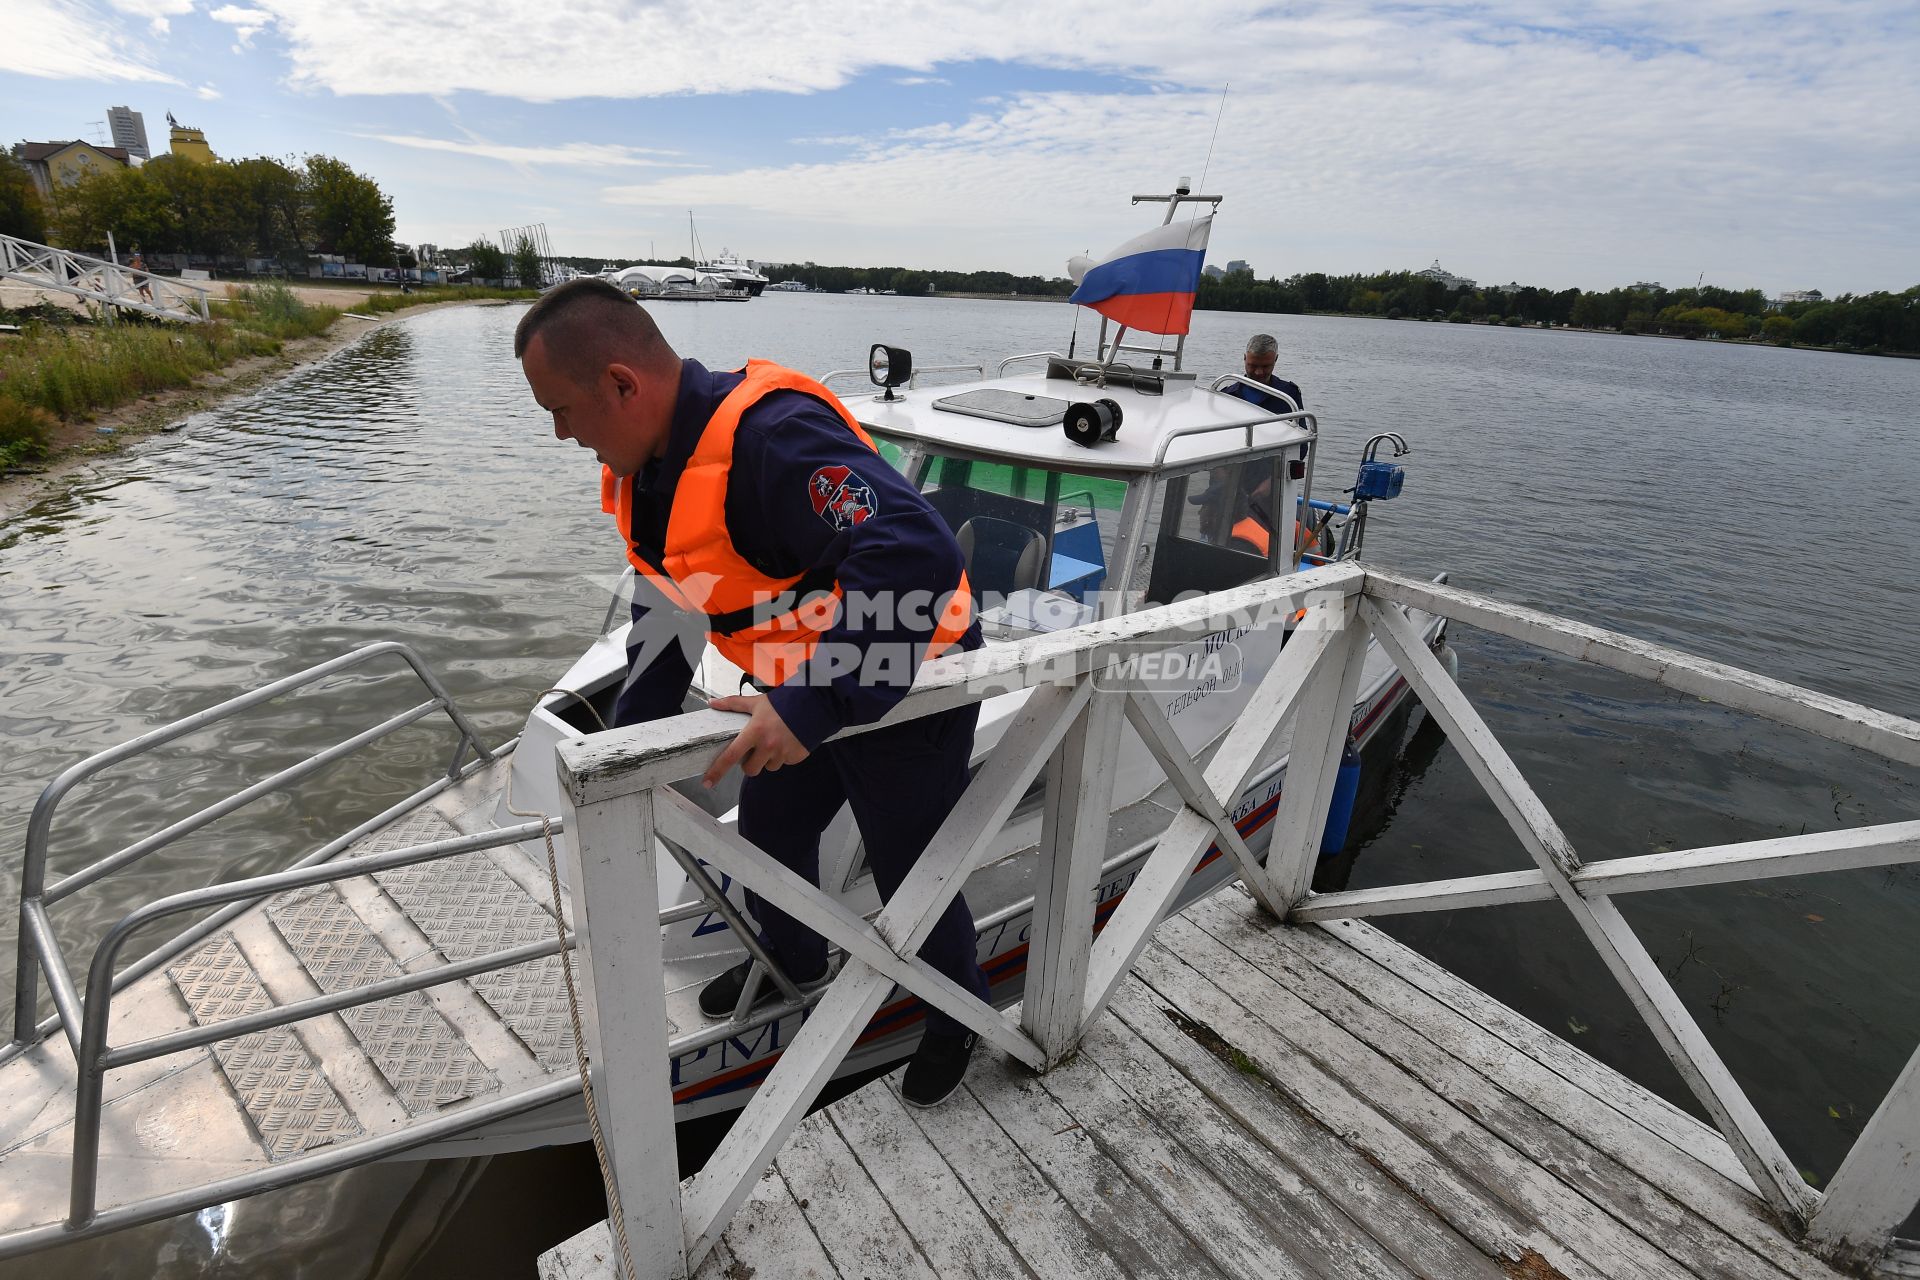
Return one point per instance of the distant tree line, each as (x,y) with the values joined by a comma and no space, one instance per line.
(260,208)
(1875,322)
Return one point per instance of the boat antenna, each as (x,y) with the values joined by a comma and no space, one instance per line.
(1208,163)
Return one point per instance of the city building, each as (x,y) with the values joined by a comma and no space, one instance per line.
(1444,276)
(65,163)
(1212,272)
(1239,265)
(1799,295)
(129,131)
(188,143)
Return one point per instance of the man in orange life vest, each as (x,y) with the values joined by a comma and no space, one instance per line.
(752,502)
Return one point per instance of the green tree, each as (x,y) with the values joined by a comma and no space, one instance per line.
(21,213)
(488,262)
(271,200)
(351,215)
(526,263)
(1777,330)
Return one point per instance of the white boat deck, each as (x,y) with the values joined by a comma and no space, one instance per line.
(1313,1101)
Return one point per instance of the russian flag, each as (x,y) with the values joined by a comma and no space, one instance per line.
(1147,283)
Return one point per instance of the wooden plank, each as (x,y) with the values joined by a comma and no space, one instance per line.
(1138,1232)
(603,765)
(846,1210)
(1292,1209)
(1878,1183)
(627,1032)
(770,1236)
(1811,854)
(856,994)
(1066,875)
(1425,1172)
(781,1102)
(1238,1241)
(1830,717)
(1679,1036)
(726,851)
(1189,780)
(1679,1129)
(1677,1172)
(1291,679)
(1372,1201)
(1029,1214)
(953,1233)
(1319,738)
(1496,889)
(1474,1152)
(1802,855)
(1702,1247)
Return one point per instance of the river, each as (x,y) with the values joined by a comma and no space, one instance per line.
(1751,504)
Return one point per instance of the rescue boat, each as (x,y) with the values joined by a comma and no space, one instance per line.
(294,1031)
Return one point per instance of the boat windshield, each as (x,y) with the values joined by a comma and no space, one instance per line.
(1039,543)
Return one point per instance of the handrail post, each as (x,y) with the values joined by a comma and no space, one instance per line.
(1313,763)
(616,899)
(1878,1184)
(1073,841)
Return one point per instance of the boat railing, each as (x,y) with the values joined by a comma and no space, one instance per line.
(1306,420)
(1226,380)
(619,796)
(38,951)
(1010,361)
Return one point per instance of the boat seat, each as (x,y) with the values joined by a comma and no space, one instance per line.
(1001,557)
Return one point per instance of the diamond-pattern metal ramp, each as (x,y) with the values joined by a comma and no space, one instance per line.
(468,907)
(420,1055)
(292,1106)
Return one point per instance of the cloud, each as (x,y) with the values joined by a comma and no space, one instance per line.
(156,12)
(1552,157)
(206,93)
(914,80)
(246,23)
(589,155)
(69,43)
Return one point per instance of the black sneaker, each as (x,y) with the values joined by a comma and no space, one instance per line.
(937,1068)
(718,997)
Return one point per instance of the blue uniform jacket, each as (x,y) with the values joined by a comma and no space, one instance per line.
(803,492)
(1270,403)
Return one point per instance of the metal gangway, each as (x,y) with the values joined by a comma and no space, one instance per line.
(109,284)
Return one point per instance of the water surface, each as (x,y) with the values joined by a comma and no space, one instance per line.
(1754,505)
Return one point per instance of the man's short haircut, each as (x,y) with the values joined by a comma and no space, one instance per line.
(1262,344)
(586,325)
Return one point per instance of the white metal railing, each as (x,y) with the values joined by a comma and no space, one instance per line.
(97,280)
(619,800)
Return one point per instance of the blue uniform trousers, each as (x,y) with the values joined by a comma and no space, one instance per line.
(900,781)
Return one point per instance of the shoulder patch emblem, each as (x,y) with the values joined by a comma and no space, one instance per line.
(841,497)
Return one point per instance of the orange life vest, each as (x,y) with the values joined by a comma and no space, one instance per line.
(766,626)
(1251,531)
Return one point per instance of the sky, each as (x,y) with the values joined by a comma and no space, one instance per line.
(1553,143)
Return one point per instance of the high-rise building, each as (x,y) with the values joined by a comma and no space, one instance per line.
(129,131)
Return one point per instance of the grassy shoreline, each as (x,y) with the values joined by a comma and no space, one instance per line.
(60,370)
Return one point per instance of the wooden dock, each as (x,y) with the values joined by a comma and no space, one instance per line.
(1267,1101)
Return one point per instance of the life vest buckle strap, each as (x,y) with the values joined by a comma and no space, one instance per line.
(811,585)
